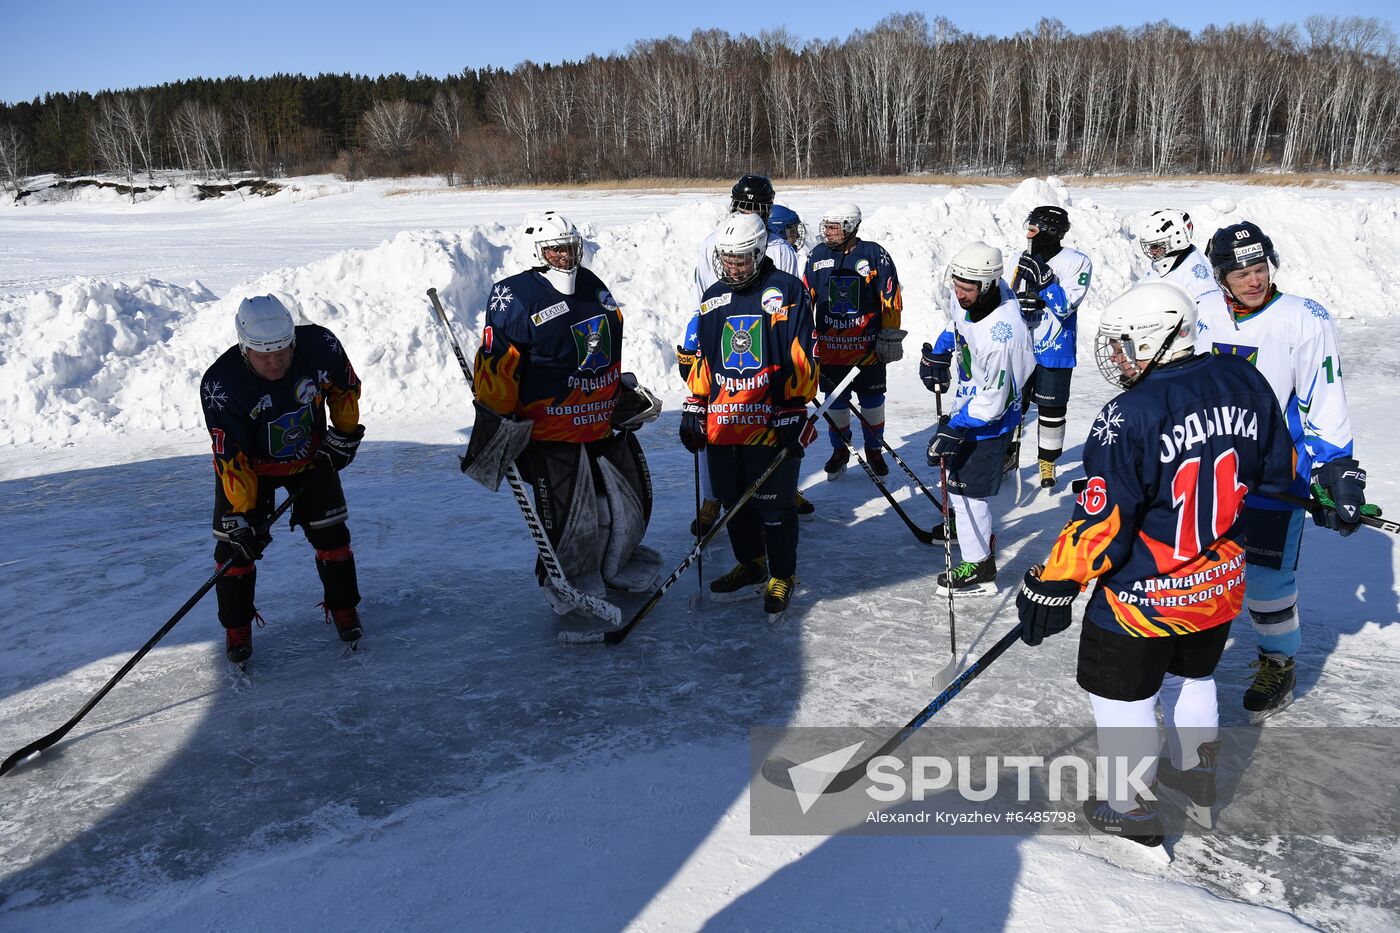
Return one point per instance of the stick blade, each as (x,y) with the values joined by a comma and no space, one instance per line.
(945,677)
(19,758)
(580,639)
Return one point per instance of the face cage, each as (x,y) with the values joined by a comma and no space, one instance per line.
(573,241)
(1116,360)
(717,260)
(1155,250)
(761,208)
(796,234)
(845,234)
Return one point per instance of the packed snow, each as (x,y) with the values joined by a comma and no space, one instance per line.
(461,770)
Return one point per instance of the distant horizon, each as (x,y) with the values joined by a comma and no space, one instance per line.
(99,48)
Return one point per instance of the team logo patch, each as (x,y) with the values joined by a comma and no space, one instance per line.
(214,396)
(289,436)
(741,344)
(501,297)
(306,390)
(863,269)
(1108,424)
(1001,332)
(550,313)
(1200,271)
(1094,498)
(593,339)
(1317,310)
(1234,349)
(843,294)
(605,299)
(772,300)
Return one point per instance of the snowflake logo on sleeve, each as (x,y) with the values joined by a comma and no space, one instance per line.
(214,396)
(501,297)
(1108,424)
(1001,332)
(332,342)
(1200,271)
(1318,311)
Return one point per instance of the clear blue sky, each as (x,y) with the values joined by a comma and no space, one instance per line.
(85,45)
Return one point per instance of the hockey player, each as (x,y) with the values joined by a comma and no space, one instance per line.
(1293,342)
(755,372)
(265,404)
(993,347)
(857,305)
(1164,236)
(1159,526)
(551,392)
(784,222)
(751,194)
(1051,282)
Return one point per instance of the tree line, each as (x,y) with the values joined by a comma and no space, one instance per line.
(905,96)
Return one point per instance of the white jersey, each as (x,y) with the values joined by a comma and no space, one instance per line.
(779,250)
(994,360)
(1075,271)
(1194,276)
(1293,342)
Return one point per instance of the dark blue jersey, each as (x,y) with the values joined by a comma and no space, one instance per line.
(1159,521)
(854,296)
(274,428)
(552,358)
(755,353)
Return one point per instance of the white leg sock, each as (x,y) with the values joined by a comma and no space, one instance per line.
(1192,717)
(1127,737)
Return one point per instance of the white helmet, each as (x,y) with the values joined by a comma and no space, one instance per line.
(264,324)
(740,236)
(1152,322)
(1163,235)
(554,232)
(847,216)
(977,262)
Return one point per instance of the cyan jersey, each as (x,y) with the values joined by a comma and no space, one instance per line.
(1158,523)
(994,360)
(1293,342)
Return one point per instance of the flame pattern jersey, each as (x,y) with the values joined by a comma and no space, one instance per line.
(1293,342)
(854,295)
(261,428)
(552,358)
(1158,523)
(757,351)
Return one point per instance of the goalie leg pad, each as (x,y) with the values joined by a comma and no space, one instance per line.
(625,511)
(565,498)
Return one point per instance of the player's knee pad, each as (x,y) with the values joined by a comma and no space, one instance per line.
(329,539)
(1276,621)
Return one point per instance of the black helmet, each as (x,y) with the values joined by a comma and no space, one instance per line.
(1239,246)
(752,194)
(1053,221)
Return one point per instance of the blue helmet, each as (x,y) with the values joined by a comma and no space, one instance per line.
(784,222)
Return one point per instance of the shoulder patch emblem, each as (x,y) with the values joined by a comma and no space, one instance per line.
(605,299)
(1318,311)
(863,269)
(306,390)
(772,300)
(1200,271)
(1001,332)
(501,297)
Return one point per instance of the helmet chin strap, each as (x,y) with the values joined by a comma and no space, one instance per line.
(562,281)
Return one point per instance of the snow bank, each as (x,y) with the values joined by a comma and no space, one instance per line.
(97,357)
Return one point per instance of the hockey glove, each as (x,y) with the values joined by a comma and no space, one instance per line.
(694,412)
(1045,607)
(234,529)
(945,443)
(337,450)
(1032,276)
(1340,488)
(495,443)
(936,370)
(636,404)
(793,428)
(685,362)
(889,345)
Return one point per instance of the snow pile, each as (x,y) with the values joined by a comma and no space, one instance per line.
(96,357)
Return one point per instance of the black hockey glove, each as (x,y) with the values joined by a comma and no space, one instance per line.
(1032,276)
(792,427)
(1340,489)
(685,362)
(694,413)
(337,450)
(234,529)
(1045,607)
(889,344)
(495,442)
(636,404)
(945,443)
(936,369)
